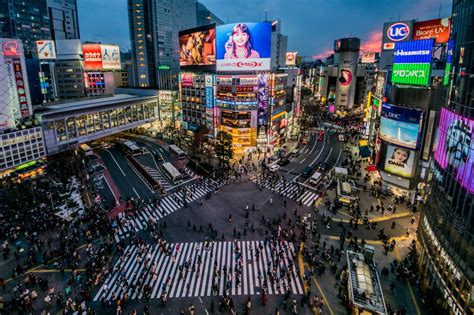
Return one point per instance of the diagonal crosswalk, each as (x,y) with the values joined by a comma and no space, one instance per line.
(168,204)
(288,189)
(199,269)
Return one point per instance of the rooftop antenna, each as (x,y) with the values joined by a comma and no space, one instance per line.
(439,11)
(266,15)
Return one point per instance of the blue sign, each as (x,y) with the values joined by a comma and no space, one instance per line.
(398,32)
(415,51)
(209,97)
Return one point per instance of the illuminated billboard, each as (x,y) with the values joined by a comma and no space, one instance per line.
(401,125)
(412,62)
(449,61)
(394,32)
(368,57)
(197,47)
(399,161)
(454,150)
(262,107)
(243,47)
(291,58)
(438,29)
(187,80)
(101,57)
(46,49)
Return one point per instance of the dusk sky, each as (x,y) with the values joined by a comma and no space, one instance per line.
(311,25)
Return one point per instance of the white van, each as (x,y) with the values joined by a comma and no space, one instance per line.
(316,178)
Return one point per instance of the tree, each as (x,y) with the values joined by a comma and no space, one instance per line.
(199,138)
(223,147)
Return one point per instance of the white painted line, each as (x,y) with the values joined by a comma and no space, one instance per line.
(121,170)
(301,162)
(294,179)
(338,157)
(136,192)
(322,149)
(138,175)
(107,182)
(329,155)
(189,180)
(314,146)
(290,170)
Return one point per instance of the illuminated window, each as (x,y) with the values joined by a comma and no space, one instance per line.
(139,23)
(140,41)
(140,47)
(138,17)
(139,29)
(138,11)
(141,59)
(141,53)
(137,5)
(140,35)
(142,76)
(142,65)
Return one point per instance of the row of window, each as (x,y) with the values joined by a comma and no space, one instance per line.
(81,125)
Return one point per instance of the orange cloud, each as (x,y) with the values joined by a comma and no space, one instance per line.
(323,55)
(373,44)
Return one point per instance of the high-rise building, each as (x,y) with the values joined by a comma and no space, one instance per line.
(63,19)
(154,27)
(25,20)
(204,16)
(69,69)
(446,230)
(279,45)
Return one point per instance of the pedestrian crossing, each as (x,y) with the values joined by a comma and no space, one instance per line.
(199,269)
(288,189)
(167,205)
(156,175)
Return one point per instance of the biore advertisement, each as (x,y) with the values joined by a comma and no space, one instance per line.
(399,161)
(400,125)
(454,147)
(243,47)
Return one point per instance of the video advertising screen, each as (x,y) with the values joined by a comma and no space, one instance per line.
(401,125)
(399,161)
(454,147)
(197,47)
(243,47)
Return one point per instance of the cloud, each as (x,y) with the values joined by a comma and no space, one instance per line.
(323,55)
(374,42)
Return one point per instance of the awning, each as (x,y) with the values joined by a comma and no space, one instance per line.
(364,151)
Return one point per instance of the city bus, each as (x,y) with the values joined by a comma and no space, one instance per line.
(172,173)
(85,149)
(132,148)
(177,152)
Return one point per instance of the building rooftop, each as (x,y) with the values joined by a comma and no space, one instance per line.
(364,285)
(88,104)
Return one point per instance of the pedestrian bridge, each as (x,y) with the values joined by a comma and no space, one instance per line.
(67,125)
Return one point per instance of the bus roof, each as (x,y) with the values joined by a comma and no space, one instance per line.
(171,169)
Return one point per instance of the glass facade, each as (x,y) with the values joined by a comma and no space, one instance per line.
(21,146)
(446,228)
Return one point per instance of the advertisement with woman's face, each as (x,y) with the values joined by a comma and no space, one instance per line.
(454,147)
(399,161)
(243,47)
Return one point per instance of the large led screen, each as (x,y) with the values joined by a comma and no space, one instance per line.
(454,147)
(399,161)
(197,47)
(400,125)
(243,47)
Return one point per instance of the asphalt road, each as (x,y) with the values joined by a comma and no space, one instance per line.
(329,151)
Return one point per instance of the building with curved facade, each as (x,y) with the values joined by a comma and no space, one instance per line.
(446,227)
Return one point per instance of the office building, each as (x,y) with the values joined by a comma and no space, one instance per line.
(279,46)
(25,20)
(63,19)
(69,70)
(154,27)
(446,231)
(204,16)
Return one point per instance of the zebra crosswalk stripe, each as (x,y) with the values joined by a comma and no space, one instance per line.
(150,266)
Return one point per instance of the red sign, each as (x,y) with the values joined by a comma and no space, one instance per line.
(11,49)
(187,80)
(92,56)
(20,88)
(438,29)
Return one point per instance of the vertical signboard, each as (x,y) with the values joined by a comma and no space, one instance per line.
(449,61)
(262,101)
(20,88)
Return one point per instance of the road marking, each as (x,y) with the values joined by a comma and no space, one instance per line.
(107,182)
(136,192)
(339,156)
(322,149)
(314,146)
(303,160)
(397,255)
(294,179)
(290,170)
(121,170)
(329,155)
(323,295)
